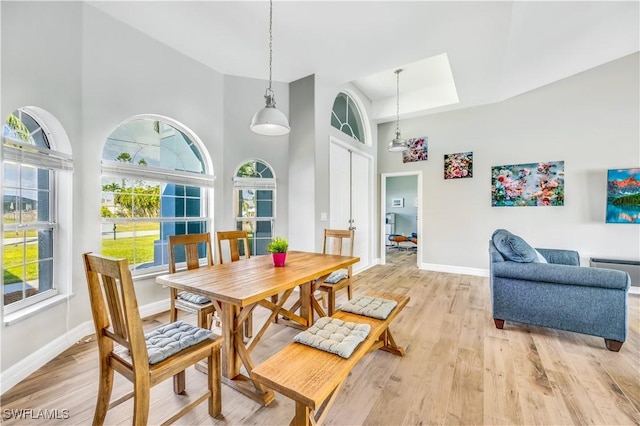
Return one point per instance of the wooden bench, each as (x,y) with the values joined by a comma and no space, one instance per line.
(313,377)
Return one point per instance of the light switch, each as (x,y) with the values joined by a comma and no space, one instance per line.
(323,215)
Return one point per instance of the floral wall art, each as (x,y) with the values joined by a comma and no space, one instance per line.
(457,166)
(534,184)
(416,150)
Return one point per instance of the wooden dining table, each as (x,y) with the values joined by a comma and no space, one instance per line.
(239,287)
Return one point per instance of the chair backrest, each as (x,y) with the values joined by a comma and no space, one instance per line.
(115,308)
(234,238)
(339,241)
(190,243)
(334,239)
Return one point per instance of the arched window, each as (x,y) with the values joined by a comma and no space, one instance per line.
(155,183)
(346,117)
(36,185)
(254,186)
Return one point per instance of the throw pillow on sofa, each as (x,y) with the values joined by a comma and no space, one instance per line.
(513,247)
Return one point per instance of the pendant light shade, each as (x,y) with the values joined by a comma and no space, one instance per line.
(269,120)
(397,144)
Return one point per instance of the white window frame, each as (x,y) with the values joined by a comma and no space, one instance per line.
(58,159)
(361,113)
(254,183)
(165,176)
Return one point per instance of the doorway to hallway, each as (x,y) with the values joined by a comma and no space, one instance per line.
(401,214)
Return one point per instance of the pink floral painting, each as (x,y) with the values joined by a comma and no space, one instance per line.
(535,184)
(457,166)
(416,150)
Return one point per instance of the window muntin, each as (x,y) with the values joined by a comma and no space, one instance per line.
(29,227)
(346,117)
(154,184)
(255,190)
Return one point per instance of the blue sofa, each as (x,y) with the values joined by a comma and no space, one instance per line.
(549,288)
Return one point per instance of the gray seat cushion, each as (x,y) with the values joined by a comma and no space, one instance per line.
(375,307)
(172,338)
(334,335)
(335,277)
(193,298)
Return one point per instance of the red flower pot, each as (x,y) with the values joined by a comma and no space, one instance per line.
(279,258)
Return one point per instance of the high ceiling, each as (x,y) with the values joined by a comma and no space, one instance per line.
(453,54)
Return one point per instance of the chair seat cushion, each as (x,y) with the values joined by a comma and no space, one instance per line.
(334,336)
(335,276)
(193,298)
(170,339)
(513,247)
(374,307)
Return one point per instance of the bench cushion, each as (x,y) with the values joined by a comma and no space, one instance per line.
(172,338)
(374,307)
(193,298)
(334,335)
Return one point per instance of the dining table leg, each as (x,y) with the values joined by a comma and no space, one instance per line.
(232,362)
(306,309)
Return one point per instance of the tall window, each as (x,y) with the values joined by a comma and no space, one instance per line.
(155,183)
(346,117)
(30,170)
(255,189)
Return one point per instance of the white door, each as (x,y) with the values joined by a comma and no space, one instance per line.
(350,198)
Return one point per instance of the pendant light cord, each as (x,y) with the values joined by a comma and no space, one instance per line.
(398,71)
(270,42)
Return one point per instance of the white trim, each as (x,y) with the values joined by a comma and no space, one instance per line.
(383,209)
(32,362)
(452,269)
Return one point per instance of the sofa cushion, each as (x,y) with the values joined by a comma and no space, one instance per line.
(513,247)
(541,258)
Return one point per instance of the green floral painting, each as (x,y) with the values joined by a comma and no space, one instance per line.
(534,184)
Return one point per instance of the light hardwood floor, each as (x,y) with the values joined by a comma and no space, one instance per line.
(458,369)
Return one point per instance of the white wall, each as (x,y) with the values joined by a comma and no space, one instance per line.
(92,72)
(41,66)
(590,120)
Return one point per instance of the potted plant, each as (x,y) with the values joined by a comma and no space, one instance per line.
(278,248)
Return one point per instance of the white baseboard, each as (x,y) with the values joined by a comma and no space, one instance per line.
(455,269)
(31,363)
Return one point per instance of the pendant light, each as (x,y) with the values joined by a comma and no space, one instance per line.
(269,120)
(397,144)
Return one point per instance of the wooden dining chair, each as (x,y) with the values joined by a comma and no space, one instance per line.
(234,239)
(337,241)
(144,359)
(203,307)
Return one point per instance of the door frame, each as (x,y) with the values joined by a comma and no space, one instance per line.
(370,158)
(383,211)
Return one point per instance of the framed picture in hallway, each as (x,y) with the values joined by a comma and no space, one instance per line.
(397,202)
(416,150)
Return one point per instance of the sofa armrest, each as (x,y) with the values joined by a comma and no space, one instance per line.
(560,257)
(562,274)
